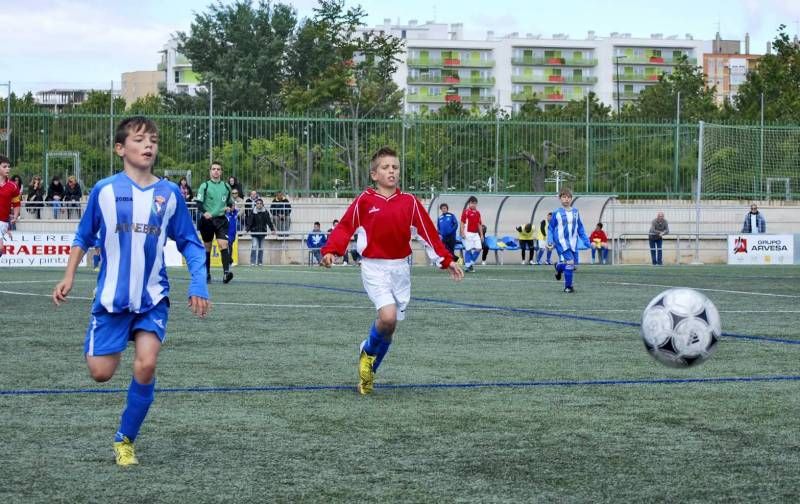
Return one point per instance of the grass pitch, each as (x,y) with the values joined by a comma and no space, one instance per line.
(498,389)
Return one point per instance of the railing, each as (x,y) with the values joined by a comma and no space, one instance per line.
(629,77)
(424,63)
(676,248)
(553,61)
(655,60)
(550,79)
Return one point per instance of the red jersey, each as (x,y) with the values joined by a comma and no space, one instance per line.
(9,198)
(598,235)
(384,228)
(471,220)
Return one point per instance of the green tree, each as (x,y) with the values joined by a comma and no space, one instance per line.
(242,49)
(777,77)
(659,102)
(338,68)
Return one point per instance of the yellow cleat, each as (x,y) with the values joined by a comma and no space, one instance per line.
(123,450)
(366,375)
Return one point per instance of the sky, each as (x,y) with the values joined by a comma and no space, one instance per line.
(90,43)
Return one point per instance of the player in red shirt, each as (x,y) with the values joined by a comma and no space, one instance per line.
(599,241)
(383,218)
(9,200)
(471,233)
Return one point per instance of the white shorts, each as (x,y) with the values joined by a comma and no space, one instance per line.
(387,281)
(472,241)
(544,245)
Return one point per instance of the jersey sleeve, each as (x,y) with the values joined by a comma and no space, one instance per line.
(426,231)
(86,235)
(339,238)
(181,229)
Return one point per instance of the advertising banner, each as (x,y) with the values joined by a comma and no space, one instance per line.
(760,249)
(25,249)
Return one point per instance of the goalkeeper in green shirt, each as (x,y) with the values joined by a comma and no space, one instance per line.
(213,200)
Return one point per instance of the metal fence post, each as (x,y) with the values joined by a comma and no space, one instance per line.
(697,198)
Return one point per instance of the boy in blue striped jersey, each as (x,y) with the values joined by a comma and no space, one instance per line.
(563,232)
(134,212)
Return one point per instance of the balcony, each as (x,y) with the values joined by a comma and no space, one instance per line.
(542,61)
(480,100)
(654,60)
(629,77)
(548,79)
(475,82)
(424,63)
(419,98)
(467,63)
(626,95)
(523,96)
(425,79)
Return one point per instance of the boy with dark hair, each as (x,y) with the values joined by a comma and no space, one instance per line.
(472,233)
(9,199)
(214,200)
(382,218)
(315,240)
(599,241)
(448,227)
(134,213)
(565,228)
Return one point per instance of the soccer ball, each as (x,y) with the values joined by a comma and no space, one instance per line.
(681,327)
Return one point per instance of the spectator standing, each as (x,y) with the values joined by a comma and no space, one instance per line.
(471,233)
(35,197)
(250,204)
(235,184)
(55,195)
(754,221)
(281,211)
(448,229)
(186,189)
(658,228)
(526,242)
(72,198)
(258,224)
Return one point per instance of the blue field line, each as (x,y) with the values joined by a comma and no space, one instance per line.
(522,311)
(465,385)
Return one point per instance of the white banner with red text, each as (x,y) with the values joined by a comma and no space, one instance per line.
(760,249)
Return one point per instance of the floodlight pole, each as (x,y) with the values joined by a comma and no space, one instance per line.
(8,119)
(111,131)
(210,122)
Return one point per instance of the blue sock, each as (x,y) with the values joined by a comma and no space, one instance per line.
(593,254)
(560,267)
(376,345)
(605,254)
(569,270)
(140,397)
(96,260)
(549,255)
(539,255)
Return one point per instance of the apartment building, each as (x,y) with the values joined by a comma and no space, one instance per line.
(506,71)
(726,67)
(178,74)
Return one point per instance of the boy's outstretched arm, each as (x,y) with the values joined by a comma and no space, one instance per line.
(183,232)
(64,287)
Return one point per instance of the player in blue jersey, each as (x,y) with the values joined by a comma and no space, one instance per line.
(563,232)
(134,213)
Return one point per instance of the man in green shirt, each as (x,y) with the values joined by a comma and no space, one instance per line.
(213,200)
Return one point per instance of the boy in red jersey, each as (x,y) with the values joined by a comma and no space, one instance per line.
(9,199)
(599,242)
(383,218)
(472,235)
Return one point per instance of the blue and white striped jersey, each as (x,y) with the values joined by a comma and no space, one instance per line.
(134,223)
(564,229)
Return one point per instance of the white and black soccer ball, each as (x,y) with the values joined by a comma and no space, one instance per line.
(681,327)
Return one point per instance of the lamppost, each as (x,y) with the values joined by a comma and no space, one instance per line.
(8,119)
(616,61)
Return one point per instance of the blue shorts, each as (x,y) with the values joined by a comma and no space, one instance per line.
(109,333)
